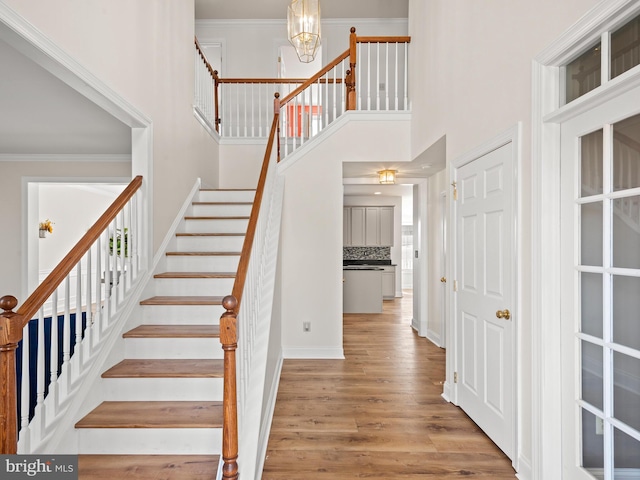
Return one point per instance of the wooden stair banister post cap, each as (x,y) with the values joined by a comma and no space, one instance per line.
(10,335)
(228,336)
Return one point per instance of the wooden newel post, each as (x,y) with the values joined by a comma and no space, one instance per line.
(10,335)
(276,111)
(350,81)
(229,341)
(216,82)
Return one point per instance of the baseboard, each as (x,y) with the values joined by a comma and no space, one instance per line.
(161,252)
(313,353)
(523,467)
(446,392)
(434,338)
(265,429)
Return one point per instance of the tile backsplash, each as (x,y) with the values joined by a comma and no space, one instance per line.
(366,253)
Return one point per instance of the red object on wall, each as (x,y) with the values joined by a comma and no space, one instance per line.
(302,121)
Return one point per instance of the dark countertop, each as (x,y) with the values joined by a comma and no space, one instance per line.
(361,268)
(366,262)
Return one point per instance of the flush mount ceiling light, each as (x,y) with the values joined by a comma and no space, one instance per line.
(387,177)
(303,25)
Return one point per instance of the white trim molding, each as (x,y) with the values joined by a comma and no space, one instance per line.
(547,114)
(66,157)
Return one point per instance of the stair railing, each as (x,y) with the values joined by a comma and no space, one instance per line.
(371,75)
(58,329)
(248,293)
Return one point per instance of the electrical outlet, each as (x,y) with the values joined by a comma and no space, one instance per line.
(306,326)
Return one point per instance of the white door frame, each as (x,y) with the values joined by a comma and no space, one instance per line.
(547,115)
(513,136)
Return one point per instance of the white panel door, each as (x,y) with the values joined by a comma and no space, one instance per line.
(485,233)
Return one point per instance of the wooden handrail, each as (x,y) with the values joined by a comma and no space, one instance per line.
(383,39)
(12,324)
(313,79)
(245,256)
(228,322)
(31,306)
(204,58)
(273,80)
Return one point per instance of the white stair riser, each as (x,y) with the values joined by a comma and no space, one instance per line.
(216,225)
(164,441)
(229,210)
(184,348)
(202,263)
(182,314)
(194,286)
(226,195)
(163,389)
(210,243)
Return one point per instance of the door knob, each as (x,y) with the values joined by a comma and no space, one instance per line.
(506,314)
(443,280)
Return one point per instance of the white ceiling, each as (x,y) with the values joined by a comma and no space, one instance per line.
(271,9)
(40,114)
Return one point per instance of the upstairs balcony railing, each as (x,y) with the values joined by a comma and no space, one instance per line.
(371,75)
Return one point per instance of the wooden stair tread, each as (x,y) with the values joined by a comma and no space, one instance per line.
(148,467)
(183,300)
(166,368)
(219,217)
(195,275)
(204,254)
(227,189)
(174,331)
(154,415)
(210,234)
(222,203)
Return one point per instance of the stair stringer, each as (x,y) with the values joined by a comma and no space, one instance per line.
(87,392)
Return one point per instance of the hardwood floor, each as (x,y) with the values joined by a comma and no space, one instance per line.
(376,414)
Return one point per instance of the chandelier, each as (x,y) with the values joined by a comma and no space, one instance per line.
(303,24)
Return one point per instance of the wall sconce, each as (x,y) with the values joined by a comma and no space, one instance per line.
(44,228)
(387,177)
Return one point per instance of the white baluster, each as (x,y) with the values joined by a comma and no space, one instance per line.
(25,390)
(40,368)
(97,328)
(406,62)
(386,81)
(396,76)
(335,92)
(378,76)
(89,307)
(368,80)
(77,352)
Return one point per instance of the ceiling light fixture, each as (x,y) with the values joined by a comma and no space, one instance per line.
(303,25)
(387,177)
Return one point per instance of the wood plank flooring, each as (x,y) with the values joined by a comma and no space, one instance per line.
(377,414)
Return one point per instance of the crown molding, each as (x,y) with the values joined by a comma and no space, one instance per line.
(66,157)
(215,22)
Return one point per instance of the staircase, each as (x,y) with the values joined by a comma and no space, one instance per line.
(161,414)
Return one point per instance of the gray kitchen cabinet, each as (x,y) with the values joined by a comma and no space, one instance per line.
(368,226)
(388,282)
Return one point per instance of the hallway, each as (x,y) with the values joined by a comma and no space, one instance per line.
(376,414)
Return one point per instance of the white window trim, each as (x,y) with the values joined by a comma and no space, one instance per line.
(547,115)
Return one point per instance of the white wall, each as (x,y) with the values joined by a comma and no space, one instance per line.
(13,211)
(396,249)
(251,46)
(311,264)
(144,51)
(470,79)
